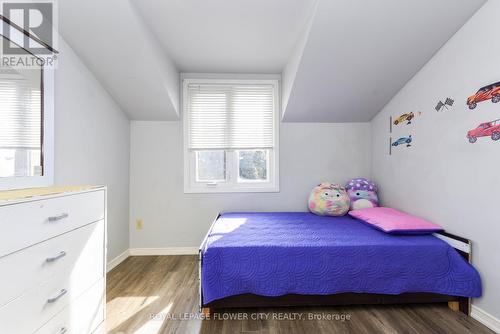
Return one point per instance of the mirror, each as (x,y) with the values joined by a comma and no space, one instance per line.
(21,121)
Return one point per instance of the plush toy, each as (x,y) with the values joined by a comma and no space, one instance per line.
(329,200)
(363,193)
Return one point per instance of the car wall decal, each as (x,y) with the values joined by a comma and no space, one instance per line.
(406,118)
(404,141)
(443,106)
(490,92)
(488,129)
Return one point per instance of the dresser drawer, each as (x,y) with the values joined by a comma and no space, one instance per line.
(79,254)
(32,222)
(30,311)
(82,316)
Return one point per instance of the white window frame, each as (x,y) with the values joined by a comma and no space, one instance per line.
(231,185)
(47,179)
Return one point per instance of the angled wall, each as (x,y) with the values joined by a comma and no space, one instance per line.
(359,54)
(114,42)
(442,176)
(290,71)
(92,141)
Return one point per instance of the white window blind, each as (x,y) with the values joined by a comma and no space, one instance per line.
(230,116)
(20,114)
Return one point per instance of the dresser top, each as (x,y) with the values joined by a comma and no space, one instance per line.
(21,194)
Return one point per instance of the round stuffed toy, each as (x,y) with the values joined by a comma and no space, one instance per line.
(363,193)
(329,200)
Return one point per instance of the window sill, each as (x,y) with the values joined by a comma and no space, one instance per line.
(215,190)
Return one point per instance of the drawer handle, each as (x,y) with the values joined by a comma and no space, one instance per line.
(63,330)
(56,218)
(55,258)
(61,293)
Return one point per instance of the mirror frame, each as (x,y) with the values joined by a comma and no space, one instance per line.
(47,179)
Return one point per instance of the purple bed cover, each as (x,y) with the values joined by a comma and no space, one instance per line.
(273,254)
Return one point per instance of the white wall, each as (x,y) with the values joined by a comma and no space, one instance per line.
(92,141)
(359,54)
(443,177)
(310,153)
(292,66)
(126,59)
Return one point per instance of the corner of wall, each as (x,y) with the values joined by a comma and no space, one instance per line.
(292,66)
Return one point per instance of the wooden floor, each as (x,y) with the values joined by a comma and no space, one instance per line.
(159,294)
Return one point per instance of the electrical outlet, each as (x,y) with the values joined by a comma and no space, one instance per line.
(139,224)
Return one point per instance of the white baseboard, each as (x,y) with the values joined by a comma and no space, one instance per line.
(164,251)
(485,318)
(150,251)
(117,260)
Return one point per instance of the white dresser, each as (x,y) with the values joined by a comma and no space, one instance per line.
(52,260)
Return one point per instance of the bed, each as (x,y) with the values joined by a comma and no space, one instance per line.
(297,258)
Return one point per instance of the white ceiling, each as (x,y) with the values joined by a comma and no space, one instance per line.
(360,53)
(347,58)
(121,52)
(227,36)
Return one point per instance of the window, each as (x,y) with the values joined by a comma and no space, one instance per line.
(26,116)
(230,135)
(20,123)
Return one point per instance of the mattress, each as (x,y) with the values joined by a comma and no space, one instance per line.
(274,254)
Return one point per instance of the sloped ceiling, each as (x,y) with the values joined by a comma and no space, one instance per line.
(360,53)
(119,49)
(341,60)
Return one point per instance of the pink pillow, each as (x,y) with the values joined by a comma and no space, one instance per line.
(394,221)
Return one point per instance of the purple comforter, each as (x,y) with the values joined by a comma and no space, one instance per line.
(273,254)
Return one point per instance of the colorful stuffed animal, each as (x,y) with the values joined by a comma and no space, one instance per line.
(329,199)
(363,193)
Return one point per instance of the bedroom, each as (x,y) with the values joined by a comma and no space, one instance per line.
(160,170)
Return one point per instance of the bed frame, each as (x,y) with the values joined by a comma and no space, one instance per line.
(456,303)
